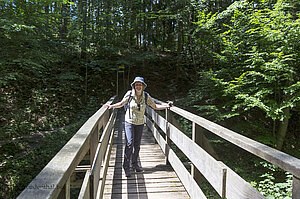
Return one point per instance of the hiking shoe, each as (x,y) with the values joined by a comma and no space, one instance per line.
(127,173)
(137,169)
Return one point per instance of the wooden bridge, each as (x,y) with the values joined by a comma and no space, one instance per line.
(90,164)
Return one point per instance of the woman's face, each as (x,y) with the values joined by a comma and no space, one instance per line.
(139,86)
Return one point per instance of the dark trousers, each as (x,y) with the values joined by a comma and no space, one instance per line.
(133,135)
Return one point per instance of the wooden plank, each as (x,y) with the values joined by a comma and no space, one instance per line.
(190,184)
(296,188)
(164,195)
(150,174)
(85,188)
(134,188)
(56,173)
(82,168)
(282,160)
(164,185)
(146,180)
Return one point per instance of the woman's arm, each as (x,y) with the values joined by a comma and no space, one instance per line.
(116,105)
(160,106)
(121,103)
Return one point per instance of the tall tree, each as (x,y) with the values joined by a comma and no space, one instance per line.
(258,62)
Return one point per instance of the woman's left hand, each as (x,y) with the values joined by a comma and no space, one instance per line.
(107,105)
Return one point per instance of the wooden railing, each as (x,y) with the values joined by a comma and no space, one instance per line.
(54,180)
(94,140)
(225,181)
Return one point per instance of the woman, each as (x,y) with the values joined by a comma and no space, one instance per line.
(135,100)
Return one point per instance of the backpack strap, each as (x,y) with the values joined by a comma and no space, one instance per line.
(146,97)
(128,101)
(130,98)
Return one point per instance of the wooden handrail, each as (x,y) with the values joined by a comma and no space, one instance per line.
(93,184)
(276,157)
(54,180)
(189,183)
(212,169)
(51,182)
(102,151)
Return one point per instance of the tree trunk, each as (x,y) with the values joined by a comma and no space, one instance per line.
(179,49)
(64,20)
(47,18)
(283,129)
(83,6)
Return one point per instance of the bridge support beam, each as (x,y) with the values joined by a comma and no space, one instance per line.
(296,188)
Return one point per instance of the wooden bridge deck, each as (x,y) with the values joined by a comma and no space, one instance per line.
(158,180)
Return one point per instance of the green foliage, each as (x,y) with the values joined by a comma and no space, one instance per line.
(272,189)
(23,157)
(269,68)
(241,60)
(252,76)
(18,170)
(260,61)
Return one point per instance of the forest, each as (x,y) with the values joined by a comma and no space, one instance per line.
(233,62)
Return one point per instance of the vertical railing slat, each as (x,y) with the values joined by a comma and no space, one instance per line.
(168,141)
(296,188)
(94,139)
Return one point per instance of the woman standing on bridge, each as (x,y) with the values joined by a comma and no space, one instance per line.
(135,104)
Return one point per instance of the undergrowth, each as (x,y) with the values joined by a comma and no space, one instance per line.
(23,159)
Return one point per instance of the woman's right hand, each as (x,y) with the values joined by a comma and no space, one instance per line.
(170,103)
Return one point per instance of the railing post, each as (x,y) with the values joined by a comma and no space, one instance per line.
(296,188)
(169,120)
(224,179)
(196,137)
(65,191)
(106,117)
(94,140)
